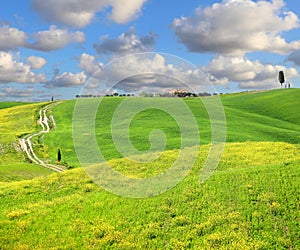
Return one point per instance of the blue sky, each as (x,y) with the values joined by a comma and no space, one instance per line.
(53,48)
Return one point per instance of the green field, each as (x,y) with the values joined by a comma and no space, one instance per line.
(17,120)
(4,105)
(250,202)
(266,116)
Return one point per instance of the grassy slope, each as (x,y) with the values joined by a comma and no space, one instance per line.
(251,202)
(279,104)
(266,116)
(62,137)
(14,122)
(4,105)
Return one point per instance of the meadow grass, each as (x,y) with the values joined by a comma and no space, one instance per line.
(265,116)
(16,121)
(278,104)
(4,105)
(251,202)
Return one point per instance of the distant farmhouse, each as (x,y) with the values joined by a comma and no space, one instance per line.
(180,93)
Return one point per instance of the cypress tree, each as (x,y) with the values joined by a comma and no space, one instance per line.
(58,155)
(281,78)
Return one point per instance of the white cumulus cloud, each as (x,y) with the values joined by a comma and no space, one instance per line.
(45,40)
(249,74)
(17,93)
(127,43)
(158,73)
(147,72)
(11,38)
(235,27)
(68,79)
(36,62)
(88,65)
(80,13)
(12,70)
(54,39)
(121,14)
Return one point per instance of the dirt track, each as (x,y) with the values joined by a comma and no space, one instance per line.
(26,141)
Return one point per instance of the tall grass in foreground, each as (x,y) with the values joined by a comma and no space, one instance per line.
(251,202)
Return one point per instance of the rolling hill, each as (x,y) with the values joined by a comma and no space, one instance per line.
(264,116)
(250,202)
(17,120)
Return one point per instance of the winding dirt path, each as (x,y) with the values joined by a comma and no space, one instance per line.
(26,144)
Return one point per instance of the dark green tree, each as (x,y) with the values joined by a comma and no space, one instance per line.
(281,77)
(58,155)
